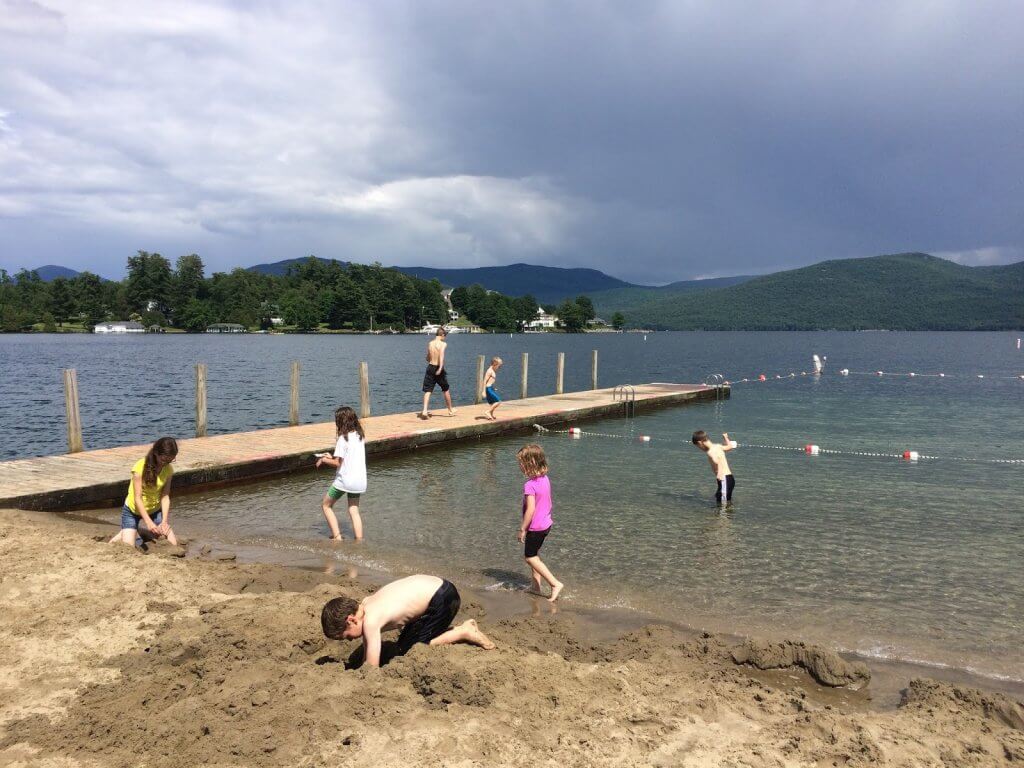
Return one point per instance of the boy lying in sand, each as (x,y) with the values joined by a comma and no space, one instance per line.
(423,606)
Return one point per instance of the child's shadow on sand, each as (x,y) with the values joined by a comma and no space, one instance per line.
(388,651)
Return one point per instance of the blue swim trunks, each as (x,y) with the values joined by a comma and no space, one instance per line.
(492,396)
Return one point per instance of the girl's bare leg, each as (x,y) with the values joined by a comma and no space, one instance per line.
(357,520)
(332,522)
(125,536)
(466,632)
(535,580)
(538,565)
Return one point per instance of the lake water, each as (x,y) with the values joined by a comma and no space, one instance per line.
(917,561)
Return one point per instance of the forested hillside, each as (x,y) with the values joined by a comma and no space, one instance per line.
(909,291)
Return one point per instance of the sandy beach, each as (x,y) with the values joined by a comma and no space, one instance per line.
(110,657)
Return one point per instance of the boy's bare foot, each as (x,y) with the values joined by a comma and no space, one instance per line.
(475,636)
(339,537)
(451,412)
(423,416)
(556,590)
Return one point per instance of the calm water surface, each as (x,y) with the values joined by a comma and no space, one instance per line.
(919,561)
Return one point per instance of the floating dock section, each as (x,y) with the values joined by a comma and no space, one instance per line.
(100,477)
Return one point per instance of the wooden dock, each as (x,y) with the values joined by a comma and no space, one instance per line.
(100,477)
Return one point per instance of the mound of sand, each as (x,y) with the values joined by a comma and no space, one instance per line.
(112,658)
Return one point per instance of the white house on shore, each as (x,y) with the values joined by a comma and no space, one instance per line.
(119,326)
(542,321)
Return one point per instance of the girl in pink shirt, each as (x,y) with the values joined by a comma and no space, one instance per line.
(536,523)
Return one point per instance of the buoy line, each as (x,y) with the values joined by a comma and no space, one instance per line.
(809,449)
(762,378)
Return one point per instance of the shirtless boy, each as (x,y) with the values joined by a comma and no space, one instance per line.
(436,373)
(422,606)
(720,465)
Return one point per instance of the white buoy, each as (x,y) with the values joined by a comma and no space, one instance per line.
(819,364)
(575,431)
(734,444)
(645,438)
(645,337)
(911,455)
(812,450)
(844,372)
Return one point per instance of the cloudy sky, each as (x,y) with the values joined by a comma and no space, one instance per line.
(656,141)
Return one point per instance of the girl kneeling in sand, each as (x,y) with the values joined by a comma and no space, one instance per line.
(147,508)
(350,459)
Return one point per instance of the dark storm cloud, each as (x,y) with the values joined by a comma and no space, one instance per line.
(655,141)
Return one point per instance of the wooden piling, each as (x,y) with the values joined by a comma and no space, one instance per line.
(560,373)
(293,410)
(200,399)
(525,376)
(478,395)
(593,370)
(364,391)
(71,409)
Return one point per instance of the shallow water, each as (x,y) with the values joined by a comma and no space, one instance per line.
(916,561)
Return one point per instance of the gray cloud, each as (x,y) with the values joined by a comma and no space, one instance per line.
(656,143)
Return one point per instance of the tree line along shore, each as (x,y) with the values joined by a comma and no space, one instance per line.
(314,295)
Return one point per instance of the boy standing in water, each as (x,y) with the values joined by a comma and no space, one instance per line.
(436,373)
(719,464)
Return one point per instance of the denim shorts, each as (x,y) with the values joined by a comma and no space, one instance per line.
(129,520)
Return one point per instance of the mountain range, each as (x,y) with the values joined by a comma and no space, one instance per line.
(907,291)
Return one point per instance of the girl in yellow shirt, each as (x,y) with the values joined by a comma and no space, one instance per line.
(147,507)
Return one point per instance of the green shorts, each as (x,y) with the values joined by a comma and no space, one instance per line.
(337,493)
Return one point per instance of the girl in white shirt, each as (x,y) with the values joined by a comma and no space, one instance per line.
(350,459)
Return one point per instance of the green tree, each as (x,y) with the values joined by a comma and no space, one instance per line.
(571,316)
(525,309)
(618,321)
(195,316)
(586,307)
(299,310)
(90,297)
(187,283)
(149,282)
(62,303)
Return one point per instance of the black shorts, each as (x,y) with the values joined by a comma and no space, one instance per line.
(441,610)
(724,488)
(534,540)
(432,377)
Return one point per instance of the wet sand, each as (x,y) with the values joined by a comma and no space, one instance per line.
(109,657)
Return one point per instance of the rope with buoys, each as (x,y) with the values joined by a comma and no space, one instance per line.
(762,377)
(810,449)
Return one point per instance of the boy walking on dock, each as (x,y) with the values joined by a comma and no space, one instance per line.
(719,464)
(490,393)
(437,374)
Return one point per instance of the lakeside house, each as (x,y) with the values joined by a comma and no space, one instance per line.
(119,326)
(226,328)
(543,321)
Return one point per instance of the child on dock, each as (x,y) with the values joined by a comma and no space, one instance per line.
(437,374)
(490,379)
(537,521)
(422,606)
(147,507)
(350,459)
(719,464)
